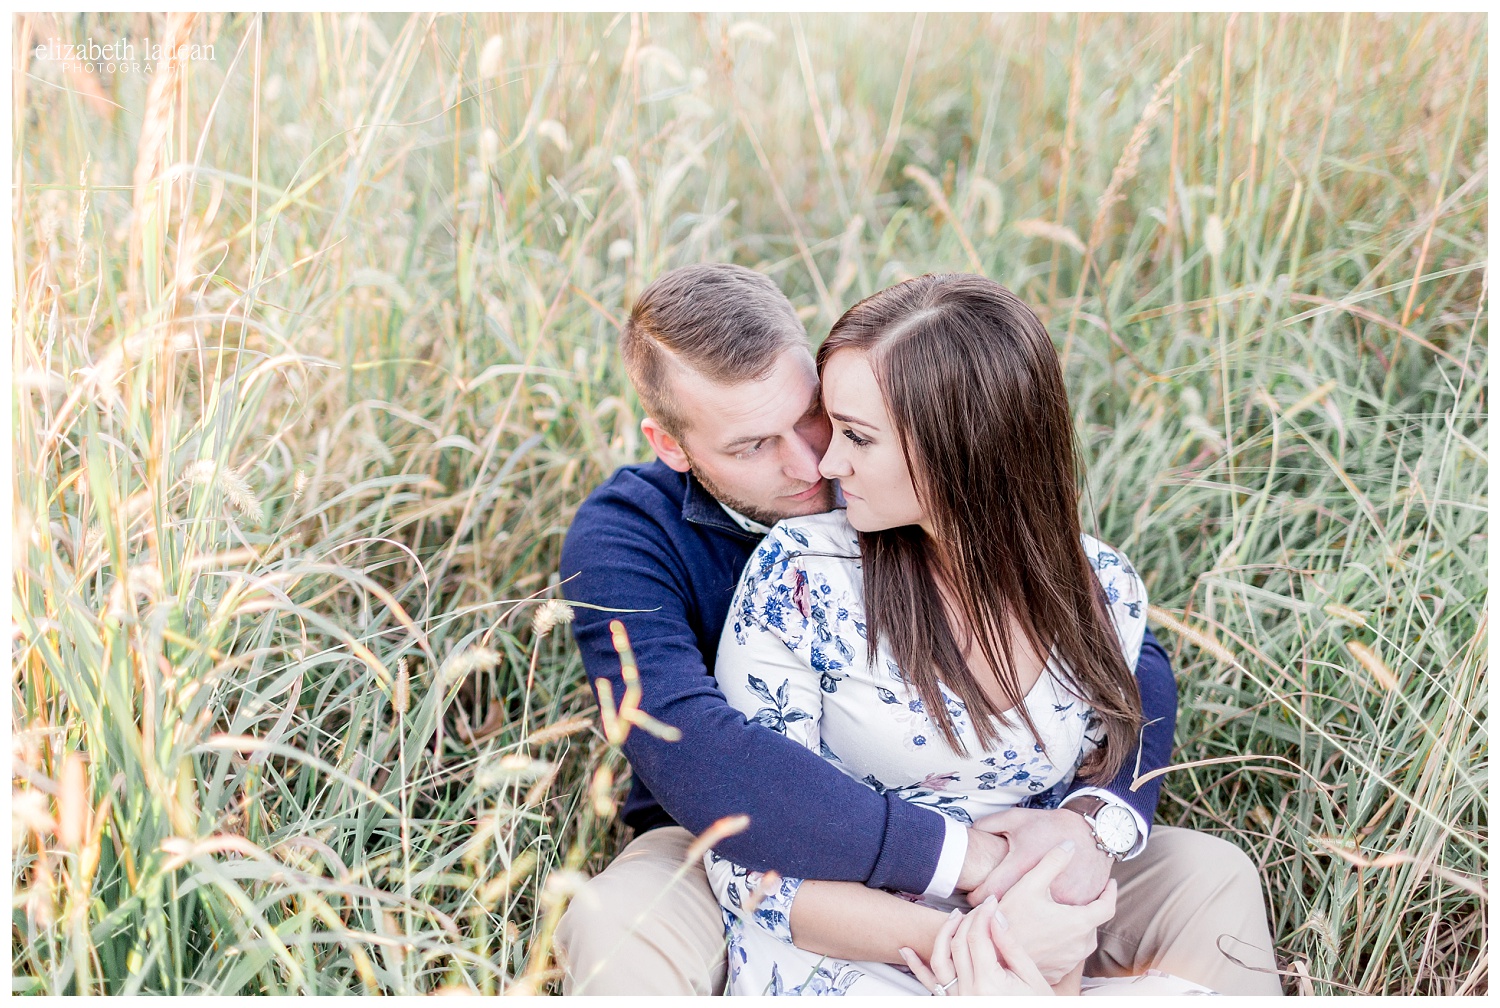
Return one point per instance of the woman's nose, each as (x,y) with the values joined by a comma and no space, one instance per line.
(834,465)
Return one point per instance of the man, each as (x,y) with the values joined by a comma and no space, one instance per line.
(722,367)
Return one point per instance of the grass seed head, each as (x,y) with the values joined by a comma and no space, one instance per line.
(489,147)
(491,58)
(551,613)
(601,792)
(401,693)
(751,31)
(237,491)
(768,883)
(1372,663)
(1130,157)
(1346,614)
(1058,234)
(514,768)
(41,899)
(561,729)
(459,666)
(561,884)
(556,133)
(230,484)
(720,830)
(1213,235)
(28,812)
(73,802)
(141,579)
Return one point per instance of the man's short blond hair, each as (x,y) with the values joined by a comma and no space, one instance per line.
(724,322)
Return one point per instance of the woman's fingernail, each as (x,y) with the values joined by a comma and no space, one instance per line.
(988,900)
(956,913)
(1000,920)
(1066,845)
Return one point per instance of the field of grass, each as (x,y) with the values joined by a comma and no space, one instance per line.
(313,361)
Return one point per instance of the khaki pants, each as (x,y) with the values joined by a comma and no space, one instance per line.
(647,924)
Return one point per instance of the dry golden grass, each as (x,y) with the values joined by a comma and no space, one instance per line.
(313,360)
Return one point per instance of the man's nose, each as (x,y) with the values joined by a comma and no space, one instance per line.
(802,460)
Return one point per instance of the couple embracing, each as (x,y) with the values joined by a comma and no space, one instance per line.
(858,586)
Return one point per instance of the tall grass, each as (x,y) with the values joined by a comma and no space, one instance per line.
(314,360)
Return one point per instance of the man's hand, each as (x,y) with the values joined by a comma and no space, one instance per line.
(987,851)
(1057,936)
(1030,834)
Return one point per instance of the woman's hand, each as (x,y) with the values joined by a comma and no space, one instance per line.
(977,954)
(1057,936)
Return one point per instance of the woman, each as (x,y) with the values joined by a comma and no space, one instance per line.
(952,636)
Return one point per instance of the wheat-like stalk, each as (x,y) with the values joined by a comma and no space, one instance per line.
(1130,158)
(151,149)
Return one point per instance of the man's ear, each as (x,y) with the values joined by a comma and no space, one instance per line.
(667,447)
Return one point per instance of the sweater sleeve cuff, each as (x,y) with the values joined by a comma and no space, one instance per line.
(1143,827)
(950,861)
(911,848)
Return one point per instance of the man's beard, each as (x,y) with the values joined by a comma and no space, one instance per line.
(752,511)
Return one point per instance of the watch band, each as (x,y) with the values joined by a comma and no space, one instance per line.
(1091,804)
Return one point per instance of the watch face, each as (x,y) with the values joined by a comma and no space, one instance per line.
(1116,828)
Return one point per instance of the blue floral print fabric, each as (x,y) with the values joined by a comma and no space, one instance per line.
(794,658)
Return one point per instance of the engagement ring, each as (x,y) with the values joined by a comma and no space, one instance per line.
(942,989)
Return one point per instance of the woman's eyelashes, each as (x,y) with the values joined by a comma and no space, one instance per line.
(855,437)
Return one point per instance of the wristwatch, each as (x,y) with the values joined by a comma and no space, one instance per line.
(1114,828)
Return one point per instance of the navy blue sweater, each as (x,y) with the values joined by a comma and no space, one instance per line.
(653,540)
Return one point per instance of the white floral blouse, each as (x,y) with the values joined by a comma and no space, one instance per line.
(793,658)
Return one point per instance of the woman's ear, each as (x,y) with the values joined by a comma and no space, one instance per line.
(667,447)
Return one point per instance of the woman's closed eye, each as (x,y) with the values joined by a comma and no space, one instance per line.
(855,437)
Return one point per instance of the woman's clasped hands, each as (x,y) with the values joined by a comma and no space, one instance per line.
(978,953)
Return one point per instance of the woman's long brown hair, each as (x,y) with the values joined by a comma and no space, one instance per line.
(973,385)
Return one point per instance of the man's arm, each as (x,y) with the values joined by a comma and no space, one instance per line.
(807,819)
(1158,687)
